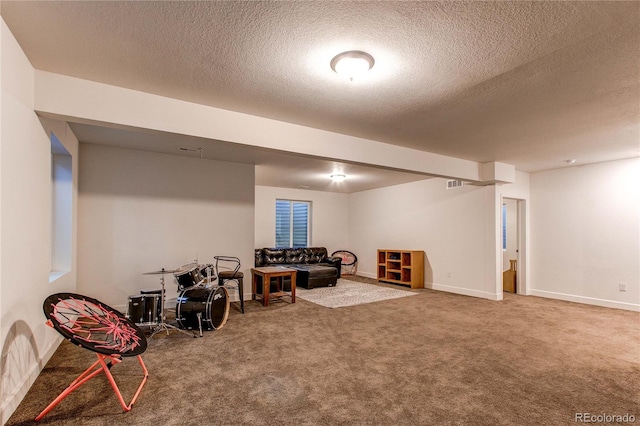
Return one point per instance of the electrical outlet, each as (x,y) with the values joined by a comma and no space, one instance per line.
(623,286)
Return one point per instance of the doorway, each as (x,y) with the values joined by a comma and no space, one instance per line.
(513,242)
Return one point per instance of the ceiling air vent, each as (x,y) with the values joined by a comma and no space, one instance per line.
(452,184)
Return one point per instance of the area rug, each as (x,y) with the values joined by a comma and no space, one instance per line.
(349,293)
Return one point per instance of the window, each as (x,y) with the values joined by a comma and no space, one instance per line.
(292,223)
(61,209)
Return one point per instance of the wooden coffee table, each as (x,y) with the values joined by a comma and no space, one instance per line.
(268,272)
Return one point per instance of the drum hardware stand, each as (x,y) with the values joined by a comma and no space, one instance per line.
(199,315)
(210,278)
(163,325)
(206,283)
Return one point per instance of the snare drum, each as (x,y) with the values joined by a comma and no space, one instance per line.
(188,275)
(212,305)
(144,309)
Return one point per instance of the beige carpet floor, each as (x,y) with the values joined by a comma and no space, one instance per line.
(432,359)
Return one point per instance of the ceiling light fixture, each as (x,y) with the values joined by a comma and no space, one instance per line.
(353,63)
(338,177)
(572,161)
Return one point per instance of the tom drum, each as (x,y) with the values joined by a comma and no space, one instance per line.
(188,275)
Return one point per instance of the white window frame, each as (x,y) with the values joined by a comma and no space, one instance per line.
(291,222)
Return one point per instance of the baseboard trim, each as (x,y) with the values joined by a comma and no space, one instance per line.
(464,291)
(586,300)
(367,275)
(18,394)
(449,289)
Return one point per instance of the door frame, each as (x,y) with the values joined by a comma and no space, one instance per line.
(522,220)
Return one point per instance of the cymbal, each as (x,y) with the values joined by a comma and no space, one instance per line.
(161,272)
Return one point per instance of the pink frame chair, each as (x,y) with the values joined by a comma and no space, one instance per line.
(97,327)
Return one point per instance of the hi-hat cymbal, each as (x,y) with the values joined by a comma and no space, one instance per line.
(160,272)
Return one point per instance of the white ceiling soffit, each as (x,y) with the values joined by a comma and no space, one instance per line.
(525,83)
(272,168)
(82,101)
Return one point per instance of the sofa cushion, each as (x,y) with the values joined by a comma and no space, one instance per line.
(314,275)
(259,259)
(316,270)
(294,255)
(274,256)
(315,254)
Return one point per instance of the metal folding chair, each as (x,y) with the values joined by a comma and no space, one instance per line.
(227,269)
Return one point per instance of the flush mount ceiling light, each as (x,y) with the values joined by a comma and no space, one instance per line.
(338,177)
(351,64)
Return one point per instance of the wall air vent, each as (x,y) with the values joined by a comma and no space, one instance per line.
(452,184)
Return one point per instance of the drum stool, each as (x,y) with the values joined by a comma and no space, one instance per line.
(230,273)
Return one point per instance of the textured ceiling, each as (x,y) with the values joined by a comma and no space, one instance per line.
(526,83)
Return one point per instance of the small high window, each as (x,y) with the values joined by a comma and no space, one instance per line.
(61,208)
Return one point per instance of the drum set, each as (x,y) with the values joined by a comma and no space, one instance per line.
(200,305)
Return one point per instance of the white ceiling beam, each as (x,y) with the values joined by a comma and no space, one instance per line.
(77,100)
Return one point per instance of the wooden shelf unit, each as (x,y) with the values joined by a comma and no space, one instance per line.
(405,267)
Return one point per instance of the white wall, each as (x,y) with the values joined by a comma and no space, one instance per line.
(25,224)
(519,189)
(142,211)
(329,216)
(458,229)
(585,228)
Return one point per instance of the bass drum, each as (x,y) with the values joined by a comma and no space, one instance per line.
(211,304)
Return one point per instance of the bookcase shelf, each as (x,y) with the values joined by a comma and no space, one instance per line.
(405,267)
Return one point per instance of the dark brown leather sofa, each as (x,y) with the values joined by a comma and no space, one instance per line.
(315,268)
